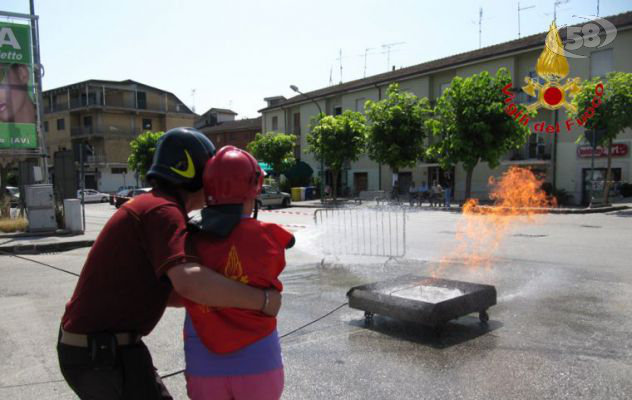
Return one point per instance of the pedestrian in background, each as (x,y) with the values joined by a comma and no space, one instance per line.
(447,192)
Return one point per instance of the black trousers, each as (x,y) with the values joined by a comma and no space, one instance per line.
(133,375)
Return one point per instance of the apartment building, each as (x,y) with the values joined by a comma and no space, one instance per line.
(220,125)
(106,116)
(556,157)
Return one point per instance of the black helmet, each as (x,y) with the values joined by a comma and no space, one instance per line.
(180,157)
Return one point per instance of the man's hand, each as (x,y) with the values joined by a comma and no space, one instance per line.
(274,303)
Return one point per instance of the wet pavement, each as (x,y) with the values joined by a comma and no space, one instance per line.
(561,328)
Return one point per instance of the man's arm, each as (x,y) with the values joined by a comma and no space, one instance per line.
(205,286)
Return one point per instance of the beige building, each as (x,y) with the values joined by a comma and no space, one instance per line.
(107,115)
(561,160)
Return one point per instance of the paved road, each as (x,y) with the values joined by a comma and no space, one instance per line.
(560,330)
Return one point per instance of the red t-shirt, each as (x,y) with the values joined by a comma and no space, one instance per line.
(123,286)
(253,254)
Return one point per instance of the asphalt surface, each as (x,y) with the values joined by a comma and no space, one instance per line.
(561,329)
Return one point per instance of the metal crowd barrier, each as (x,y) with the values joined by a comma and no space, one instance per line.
(377,232)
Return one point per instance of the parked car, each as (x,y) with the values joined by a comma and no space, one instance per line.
(14,195)
(124,195)
(92,196)
(270,196)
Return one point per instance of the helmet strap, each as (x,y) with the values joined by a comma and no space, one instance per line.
(256,212)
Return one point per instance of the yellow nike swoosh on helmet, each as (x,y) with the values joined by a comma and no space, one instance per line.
(190,171)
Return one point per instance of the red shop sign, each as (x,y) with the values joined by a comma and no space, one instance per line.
(618,150)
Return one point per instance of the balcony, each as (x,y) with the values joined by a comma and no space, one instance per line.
(102,131)
(539,152)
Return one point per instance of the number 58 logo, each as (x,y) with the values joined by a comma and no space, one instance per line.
(586,36)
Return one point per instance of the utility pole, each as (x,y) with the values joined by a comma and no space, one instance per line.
(388,47)
(597,7)
(519,10)
(37,72)
(193,99)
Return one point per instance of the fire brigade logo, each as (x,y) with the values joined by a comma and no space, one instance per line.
(552,67)
(233,268)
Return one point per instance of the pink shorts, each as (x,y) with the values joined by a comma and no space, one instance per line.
(265,386)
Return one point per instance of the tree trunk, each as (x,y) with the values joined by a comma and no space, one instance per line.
(5,203)
(468,184)
(606,188)
(334,183)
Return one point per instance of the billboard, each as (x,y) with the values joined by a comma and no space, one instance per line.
(18,127)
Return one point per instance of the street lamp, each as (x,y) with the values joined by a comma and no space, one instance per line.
(322,161)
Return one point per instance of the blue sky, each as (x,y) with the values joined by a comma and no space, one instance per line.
(234,53)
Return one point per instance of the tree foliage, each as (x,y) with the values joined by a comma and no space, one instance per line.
(275,149)
(337,140)
(397,128)
(470,124)
(611,116)
(143,148)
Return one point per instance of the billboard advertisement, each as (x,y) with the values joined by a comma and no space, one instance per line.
(18,127)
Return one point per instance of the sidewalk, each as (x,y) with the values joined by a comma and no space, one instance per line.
(617,205)
(30,243)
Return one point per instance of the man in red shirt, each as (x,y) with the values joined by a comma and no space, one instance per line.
(139,257)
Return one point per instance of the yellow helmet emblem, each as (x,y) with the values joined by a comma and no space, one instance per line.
(189,172)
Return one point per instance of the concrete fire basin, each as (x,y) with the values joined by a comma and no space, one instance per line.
(428,301)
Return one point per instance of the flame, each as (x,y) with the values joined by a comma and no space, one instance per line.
(233,268)
(552,65)
(517,197)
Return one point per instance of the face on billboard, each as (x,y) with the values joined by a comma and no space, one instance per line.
(18,122)
(15,102)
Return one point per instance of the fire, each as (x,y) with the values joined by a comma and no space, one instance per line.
(517,198)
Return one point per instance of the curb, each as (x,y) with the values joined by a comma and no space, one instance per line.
(46,247)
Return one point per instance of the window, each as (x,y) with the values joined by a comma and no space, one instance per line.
(359,104)
(600,63)
(275,123)
(141,100)
(297,123)
(337,110)
(444,86)
(45,126)
(119,170)
(87,121)
(147,123)
(61,124)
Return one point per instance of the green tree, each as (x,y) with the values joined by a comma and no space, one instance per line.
(612,114)
(143,148)
(471,125)
(275,149)
(337,140)
(397,128)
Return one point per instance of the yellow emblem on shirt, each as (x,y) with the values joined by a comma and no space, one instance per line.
(233,268)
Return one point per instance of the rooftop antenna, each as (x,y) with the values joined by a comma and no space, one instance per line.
(480,26)
(339,59)
(556,4)
(388,47)
(519,10)
(331,73)
(366,53)
(193,99)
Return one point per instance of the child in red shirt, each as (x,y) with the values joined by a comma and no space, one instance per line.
(235,353)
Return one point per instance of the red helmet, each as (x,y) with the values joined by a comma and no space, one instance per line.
(232,177)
